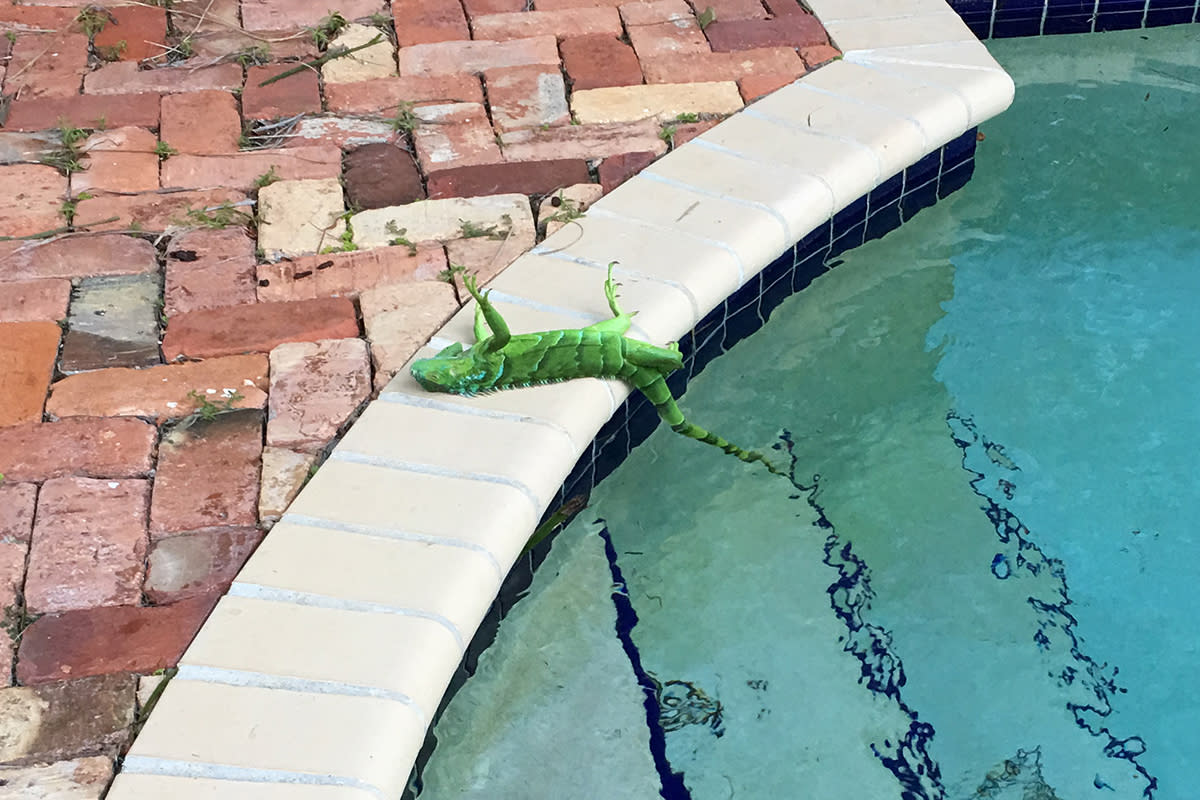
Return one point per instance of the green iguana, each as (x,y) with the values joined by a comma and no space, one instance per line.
(506,361)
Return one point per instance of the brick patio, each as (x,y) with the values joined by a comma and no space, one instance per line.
(204,278)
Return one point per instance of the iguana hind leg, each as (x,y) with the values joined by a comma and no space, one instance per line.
(486,311)
(652,384)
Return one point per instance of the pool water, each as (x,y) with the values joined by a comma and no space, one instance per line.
(988,592)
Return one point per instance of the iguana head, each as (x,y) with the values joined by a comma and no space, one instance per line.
(458,371)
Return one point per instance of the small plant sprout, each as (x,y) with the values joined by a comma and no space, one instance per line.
(406,119)
(707,17)
(267,178)
(68,156)
(567,209)
(210,406)
(472,230)
(448,274)
(328,29)
(253,56)
(92,19)
(399,236)
(164,151)
(112,52)
(215,217)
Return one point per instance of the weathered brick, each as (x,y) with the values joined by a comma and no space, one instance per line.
(477,8)
(65,719)
(241,170)
(379,175)
(89,447)
(366,62)
(79,643)
(287,43)
(257,328)
(84,111)
(561,24)
(35,194)
(300,217)
(209,268)
(133,33)
(27,355)
(665,39)
(118,160)
(400,319)
(731,9)
(295,94)
(29,18)
(559,208)
(315,389)
(293,15)
(595,61)
(47,65)
(198,563)
(753,87)
(800,30)
(453,58)
(283,473)
(17,504)
(201,122)
(486,258)
(785,8)
(31,301)
(77,779)
(654,12)
(89,544)
(558,5)
(113,322)
(76,257)
(344,133)
(153,211)
(615,170)
(428,21)
(508,215)
(347,274)
(526,97)
(12,576)
(530,177)
(703,67)
(207,475)
(582,141)
(164,392)
(454,135)
(818,54)
(384,95)
(124,77)
(661,100)
(686,131)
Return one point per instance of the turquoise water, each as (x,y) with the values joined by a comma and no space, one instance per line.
(987,592)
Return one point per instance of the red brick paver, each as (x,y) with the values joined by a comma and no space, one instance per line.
(93,447)
(27,354)
(256,329)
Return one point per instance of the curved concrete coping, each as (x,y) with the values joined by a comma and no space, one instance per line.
(317,675)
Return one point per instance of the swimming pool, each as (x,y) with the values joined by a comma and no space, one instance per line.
(985,594)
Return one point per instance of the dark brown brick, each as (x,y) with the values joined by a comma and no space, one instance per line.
(596,61)
(800,30)
(78,644)
(615,170)
(381,175)
(528,177)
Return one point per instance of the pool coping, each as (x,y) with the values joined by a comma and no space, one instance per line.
(319,672)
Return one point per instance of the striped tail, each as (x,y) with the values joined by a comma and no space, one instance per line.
(654,387)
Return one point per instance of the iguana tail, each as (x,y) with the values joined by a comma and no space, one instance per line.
(654,387)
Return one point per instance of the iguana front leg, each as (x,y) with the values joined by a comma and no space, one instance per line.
(486,311)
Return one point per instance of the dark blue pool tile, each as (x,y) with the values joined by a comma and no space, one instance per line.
(960,149)
(613,445)
(643,419)
(918,196)
(887,192)
(1170,16)
(742,322)
(1071,23)
(1119,21)
(849,239)
(955,179)
(883,220)
(850,216)
(1122,6)
(516,584)
(1009,27)
(774,295)
(708,341)
(928,167)
(485,634)
(582,477)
